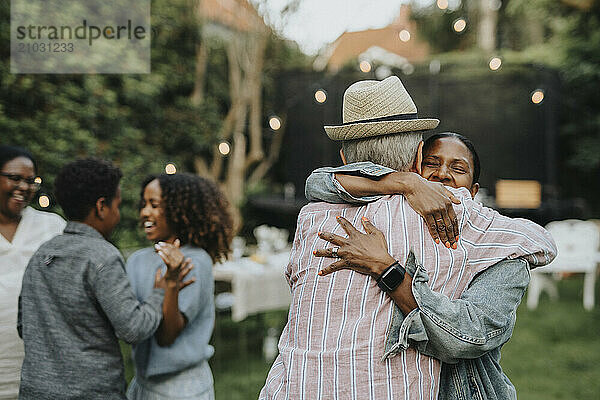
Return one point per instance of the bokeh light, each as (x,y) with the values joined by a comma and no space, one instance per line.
(365,66)
(224,148)
(495,63)
(442,4)
(537,96)
(321,96)
(44,201)
(404,35)
(459,25)
(495,5)
(170,168)
(275,123)
(38,180)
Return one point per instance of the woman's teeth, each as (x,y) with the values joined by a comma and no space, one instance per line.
(148,224)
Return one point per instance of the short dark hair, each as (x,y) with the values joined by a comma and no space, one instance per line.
(9,153)
(196,211)
(470,146)
(81,183)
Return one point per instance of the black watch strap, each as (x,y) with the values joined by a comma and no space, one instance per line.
(391,277)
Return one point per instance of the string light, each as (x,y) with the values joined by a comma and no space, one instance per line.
(537,96)
(321,96)
(224,148)
(495,63)
(365,66)
(495,5)
(459,25)
(170,168)
(404,35)
(44,201)
(275,123)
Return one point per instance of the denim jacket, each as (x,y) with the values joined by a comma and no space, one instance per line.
(466,334)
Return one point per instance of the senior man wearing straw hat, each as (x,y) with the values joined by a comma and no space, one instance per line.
(344,338)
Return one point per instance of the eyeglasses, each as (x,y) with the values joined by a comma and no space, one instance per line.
(35,183)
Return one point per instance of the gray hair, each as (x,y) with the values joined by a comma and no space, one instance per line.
(395,151)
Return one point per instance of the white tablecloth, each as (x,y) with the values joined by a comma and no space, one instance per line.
(256,287)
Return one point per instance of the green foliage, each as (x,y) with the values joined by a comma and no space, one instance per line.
(138,121)
(435,26)
(581,74)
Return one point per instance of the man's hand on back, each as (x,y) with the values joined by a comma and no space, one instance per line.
(366,253)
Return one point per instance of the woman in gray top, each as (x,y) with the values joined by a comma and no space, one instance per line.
(185,216)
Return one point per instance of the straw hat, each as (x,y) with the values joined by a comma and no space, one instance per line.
(374,108)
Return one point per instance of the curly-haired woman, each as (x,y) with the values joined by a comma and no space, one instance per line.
(191,212)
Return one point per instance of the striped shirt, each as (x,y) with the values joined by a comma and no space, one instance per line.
(333,344)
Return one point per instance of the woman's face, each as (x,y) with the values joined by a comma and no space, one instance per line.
(15,196)
(449,161)
(152,214)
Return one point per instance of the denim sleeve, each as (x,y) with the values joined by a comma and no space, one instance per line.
(321,185)
(466,328)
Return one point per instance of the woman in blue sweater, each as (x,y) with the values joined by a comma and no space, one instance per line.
(188,220)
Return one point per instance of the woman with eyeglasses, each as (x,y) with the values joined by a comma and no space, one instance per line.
(22,230)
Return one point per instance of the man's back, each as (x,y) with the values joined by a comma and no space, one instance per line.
(333,345)
(75,295)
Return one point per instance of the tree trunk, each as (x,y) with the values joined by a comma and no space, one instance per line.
(245,56)
(254,69)
(201,60)
(488,21)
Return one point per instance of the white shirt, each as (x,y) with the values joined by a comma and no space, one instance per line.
(35,228)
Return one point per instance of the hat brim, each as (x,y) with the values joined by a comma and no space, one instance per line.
(362,130)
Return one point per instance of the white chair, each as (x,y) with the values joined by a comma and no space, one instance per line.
(578,244)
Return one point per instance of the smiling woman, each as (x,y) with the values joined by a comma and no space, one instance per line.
(184,216)
(451,158)
(22,231)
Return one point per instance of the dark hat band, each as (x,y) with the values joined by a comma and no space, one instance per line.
(397,117)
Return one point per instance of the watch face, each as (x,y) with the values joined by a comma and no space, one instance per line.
(391,278)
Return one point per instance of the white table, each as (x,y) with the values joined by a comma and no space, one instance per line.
(256,286)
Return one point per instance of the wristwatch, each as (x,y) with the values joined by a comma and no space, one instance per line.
(391,277)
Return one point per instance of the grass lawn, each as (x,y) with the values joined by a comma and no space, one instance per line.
(554,352)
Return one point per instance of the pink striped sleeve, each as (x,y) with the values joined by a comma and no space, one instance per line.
(491,237)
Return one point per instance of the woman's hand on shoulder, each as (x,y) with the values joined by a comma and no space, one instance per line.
(434,202)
